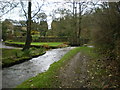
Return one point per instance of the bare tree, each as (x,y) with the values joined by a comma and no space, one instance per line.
(7,6)
(82,6)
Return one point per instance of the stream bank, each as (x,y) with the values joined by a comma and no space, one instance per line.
(80,68)
(15,75)
(12,55)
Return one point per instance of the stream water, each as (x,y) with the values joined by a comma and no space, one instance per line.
(15,75)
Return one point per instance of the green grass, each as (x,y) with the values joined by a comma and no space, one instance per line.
(48,79)
(10,56)
(9,52)
(39,43)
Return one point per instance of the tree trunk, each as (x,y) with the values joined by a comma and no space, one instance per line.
(79,30)
(76,26)
(72,38)
(28,38)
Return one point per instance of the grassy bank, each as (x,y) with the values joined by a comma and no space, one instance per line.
(14,56)
(49,79)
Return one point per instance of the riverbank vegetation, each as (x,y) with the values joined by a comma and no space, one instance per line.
(14,56)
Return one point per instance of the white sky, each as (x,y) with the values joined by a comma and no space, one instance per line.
(49,6)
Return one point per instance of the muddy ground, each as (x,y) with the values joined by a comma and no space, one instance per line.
(74,74)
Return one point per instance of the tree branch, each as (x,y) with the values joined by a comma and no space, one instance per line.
(38,10)
(94,4)
(9,9)
(23,9)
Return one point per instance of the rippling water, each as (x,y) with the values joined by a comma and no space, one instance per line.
(16,74)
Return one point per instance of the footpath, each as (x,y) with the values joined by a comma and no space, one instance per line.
(83,71)
(74,74)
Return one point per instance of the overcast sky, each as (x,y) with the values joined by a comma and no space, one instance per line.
(48,7)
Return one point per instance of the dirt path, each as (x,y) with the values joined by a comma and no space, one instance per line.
(74,74)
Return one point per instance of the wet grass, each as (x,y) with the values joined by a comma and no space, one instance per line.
(12,56)
(49,79)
